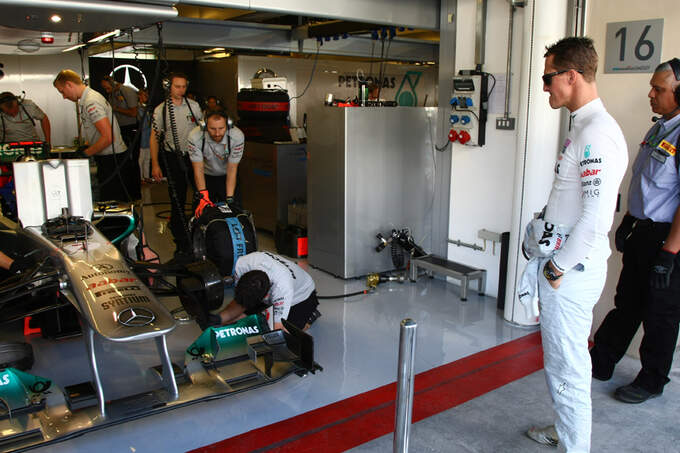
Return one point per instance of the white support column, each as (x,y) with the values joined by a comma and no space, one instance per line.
(538,139)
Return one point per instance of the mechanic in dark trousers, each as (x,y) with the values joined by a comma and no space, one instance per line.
(187,115)
(269,283)
(215,153)
(648,291)
(123,100)
(19,117)
(106,145)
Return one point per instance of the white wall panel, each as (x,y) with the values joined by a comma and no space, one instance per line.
(482,179)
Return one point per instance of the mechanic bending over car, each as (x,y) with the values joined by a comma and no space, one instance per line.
(265,280)
(104,142)
(215,152)
(18,118)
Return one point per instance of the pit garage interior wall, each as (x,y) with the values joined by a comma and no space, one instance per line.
(482,179)
(336,76)
(625,96)
(34,75)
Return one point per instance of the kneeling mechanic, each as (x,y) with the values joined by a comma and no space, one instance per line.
(269,283)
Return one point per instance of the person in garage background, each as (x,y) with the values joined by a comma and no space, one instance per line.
(588,173)
(123,100)
(115,172)
(187,115)
(215,152)
(144,121)
(19,118)
(266,282)
(648,291)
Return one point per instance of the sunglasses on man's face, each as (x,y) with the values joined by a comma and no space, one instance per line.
(547,78)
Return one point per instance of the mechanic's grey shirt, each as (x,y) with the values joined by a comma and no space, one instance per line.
(215,155)
(655,186)
(184,121)
(93,107)
(124,97)
(20,127)
(290,283)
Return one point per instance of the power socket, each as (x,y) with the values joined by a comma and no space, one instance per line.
(507,124)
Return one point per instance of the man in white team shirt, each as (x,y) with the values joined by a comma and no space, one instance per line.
(102,134)
(588,173)
(269,283)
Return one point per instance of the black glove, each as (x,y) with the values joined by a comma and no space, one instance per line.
(623,231)
(80,152)
(233,204)
(662,268)
(20,264)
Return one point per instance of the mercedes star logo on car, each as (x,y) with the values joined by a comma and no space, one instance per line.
(136,317)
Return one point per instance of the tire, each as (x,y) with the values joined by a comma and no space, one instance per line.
(263,105)
(16,355)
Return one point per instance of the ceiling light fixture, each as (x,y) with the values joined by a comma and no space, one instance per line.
(221,55)
(104,36)
(56,18)
(47,37)
(28,45)
(214,49)
(77,46)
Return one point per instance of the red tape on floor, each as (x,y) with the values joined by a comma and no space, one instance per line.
(367,416)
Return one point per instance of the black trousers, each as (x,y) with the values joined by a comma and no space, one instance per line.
(300,314)
(180,176)
(115,185)
(636,302)
(128,134)
(217,189)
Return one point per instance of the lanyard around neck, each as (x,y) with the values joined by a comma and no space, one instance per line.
(653,141)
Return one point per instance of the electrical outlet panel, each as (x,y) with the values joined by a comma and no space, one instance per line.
(469,107)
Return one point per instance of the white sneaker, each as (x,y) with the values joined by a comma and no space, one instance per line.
(545,436)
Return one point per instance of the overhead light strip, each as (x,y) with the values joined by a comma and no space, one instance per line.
(77,46)
(104,36)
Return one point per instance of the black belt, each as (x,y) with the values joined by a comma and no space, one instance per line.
(649,224)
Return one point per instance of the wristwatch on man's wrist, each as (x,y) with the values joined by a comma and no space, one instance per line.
(549,272)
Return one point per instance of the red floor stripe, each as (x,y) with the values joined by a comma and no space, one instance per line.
(364,417)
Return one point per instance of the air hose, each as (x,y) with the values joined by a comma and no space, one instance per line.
(341,296)
(372,281)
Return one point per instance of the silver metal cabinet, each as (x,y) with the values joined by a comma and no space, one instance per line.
(370,170)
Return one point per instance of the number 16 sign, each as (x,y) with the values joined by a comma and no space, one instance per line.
(633,46)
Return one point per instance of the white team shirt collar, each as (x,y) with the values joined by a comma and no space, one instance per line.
(581,115)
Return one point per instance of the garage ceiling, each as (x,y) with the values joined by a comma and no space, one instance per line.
(194,26)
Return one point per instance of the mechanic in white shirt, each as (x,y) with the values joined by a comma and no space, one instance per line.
(18,118)
(215,152)
(100,130)
(185,114)
(269,283)
(588,172)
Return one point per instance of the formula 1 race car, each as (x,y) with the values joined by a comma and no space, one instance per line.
(88,278)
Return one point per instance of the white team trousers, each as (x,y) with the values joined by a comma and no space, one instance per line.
(566,314)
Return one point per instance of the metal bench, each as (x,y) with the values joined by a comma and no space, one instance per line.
(460,272)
